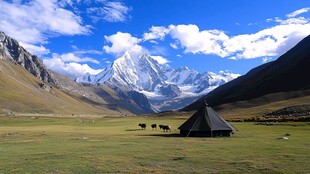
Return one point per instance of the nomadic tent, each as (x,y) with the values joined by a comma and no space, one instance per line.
(206,123)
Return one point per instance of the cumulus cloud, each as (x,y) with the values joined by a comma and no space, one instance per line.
(39,18)
(195,41)
(156,32)
(121,42)
(68,65)
(160,59)
(34,21)
(268,42)
(272,41)
(298,12)
(110,12)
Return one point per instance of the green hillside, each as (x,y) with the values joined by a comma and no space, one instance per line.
(21,92)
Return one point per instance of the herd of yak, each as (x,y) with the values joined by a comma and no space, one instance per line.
(166,128)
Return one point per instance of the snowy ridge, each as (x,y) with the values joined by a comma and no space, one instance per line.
(138,71)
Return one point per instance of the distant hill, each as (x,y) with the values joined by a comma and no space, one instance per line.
(288,73)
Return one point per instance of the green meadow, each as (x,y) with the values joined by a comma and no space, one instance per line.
(118,145)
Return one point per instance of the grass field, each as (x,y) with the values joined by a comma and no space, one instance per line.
(117,145)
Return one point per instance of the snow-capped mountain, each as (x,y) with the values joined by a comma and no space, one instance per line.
(132,71)
(166,88)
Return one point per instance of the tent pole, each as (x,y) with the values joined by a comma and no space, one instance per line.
(191,128)
(188,133)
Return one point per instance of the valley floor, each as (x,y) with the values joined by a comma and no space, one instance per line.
(118,145)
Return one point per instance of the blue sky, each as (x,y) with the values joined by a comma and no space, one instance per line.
(73,37)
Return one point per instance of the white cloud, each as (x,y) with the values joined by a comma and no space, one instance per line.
(174,45)
(196,41)
(111,12)
(266,59)
(156,32)
(71,57)
(121,42)
(158,50)
(251,23)
(272,41)
(268,42)
(298,12)
(22,33)
(35,50)
(160,59)
(88,52)
(298,20)
(40,18)
(63,64)
(80,51)
(34,21)
(154,41)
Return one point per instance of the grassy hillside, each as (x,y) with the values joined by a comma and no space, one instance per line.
(248,109)
(117,145)
(262,105)
(21,92)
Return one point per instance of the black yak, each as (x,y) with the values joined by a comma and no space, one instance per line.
(154,126)
(142,125)
(166,128)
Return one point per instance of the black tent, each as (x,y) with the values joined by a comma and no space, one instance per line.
(206,123)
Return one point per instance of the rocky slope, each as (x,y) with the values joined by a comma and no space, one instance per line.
(11,50)
(25,76)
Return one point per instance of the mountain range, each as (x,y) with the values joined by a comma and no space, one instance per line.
(286,76)
(135,83)
(164,87)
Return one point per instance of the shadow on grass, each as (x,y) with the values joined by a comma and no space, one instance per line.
(162,135)
(134,130)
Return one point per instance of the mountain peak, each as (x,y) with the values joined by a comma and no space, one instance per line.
(12,50)
(138,71)
(184,68)
(2,36)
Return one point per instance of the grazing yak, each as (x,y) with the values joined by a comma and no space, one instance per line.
(154,126)
(166,128)
(142,125)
